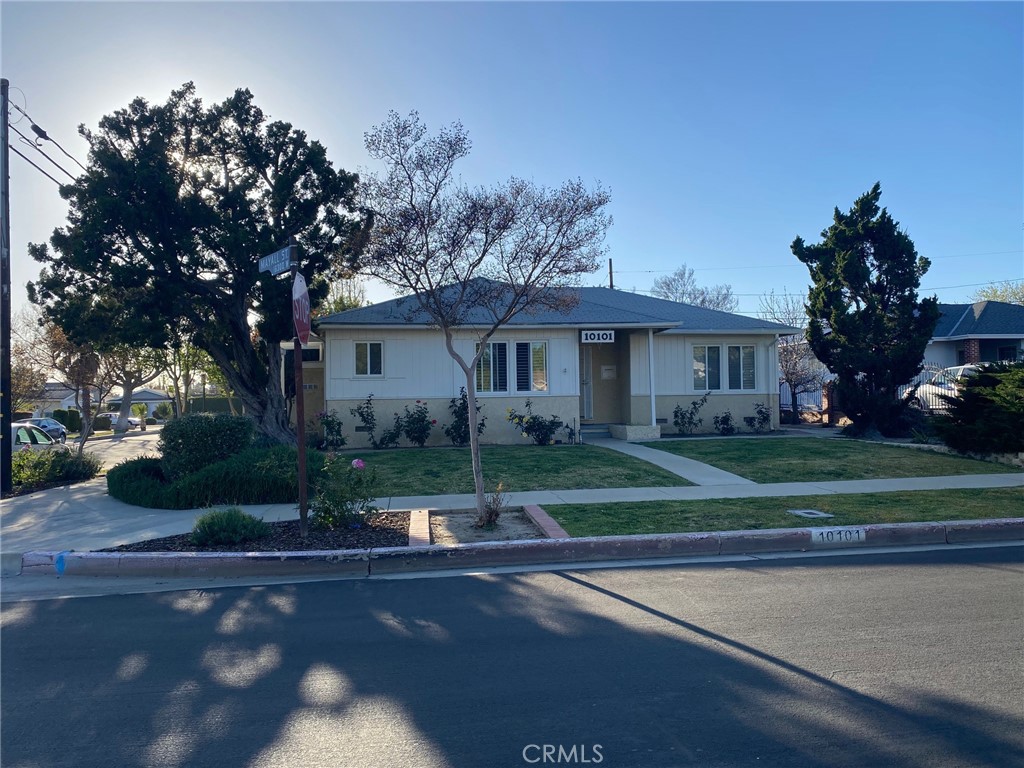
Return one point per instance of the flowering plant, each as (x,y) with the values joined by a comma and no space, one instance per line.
(345,495)
(417,424)
(534,426)
(331,425)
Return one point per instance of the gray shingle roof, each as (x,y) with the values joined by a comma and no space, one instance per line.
(598,307)
(983,318)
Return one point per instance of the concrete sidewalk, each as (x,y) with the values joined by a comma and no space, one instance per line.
(83,517)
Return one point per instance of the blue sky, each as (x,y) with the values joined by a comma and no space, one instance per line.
(723,130)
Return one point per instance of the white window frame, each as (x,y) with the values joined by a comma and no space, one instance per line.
(369,360)
(707,379)
(532,344)
(725,381)
(493,389)
(752,368)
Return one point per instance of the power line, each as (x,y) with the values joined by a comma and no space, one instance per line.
(15,150)
(46,137)
(39,149)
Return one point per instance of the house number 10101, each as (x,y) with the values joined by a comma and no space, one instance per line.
(598,337)
(833,536)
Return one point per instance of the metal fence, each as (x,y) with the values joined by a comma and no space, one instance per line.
(932,382)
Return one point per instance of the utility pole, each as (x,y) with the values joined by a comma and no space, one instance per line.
(611,276)
(6,408)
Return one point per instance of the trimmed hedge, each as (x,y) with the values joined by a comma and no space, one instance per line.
(32,470)
(198,440)
(228,527)
(258,475)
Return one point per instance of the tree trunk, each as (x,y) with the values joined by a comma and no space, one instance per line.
(474,445)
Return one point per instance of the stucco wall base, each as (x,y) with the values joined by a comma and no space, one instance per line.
(635,433)
(739,405)
(497,430)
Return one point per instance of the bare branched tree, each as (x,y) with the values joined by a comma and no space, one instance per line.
(800,369)
(682,286)
(473,258)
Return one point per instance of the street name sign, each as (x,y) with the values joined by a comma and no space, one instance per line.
(277,262)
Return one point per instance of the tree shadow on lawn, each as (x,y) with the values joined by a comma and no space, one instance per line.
(464,671)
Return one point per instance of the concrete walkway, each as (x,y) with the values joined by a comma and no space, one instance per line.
(688,469)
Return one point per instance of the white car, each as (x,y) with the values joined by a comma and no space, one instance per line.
(29,437)
(133,422)
(928,396)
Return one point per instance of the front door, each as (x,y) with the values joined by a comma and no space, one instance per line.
(601,382)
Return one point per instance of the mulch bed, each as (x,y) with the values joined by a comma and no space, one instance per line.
(387,529)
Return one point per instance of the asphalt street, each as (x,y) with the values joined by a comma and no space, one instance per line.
(910,659)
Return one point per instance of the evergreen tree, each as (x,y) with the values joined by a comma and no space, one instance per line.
(866,323)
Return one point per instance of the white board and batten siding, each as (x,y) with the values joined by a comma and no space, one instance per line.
(673,363)
(416,363)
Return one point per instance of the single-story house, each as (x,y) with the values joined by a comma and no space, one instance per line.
(983,332)
(618,361)
(151,398)
(57,396)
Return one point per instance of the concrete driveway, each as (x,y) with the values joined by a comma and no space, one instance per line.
(113,449)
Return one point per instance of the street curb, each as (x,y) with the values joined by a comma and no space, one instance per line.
(368,562)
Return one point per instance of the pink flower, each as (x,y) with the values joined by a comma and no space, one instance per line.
(433,421)
(358,464)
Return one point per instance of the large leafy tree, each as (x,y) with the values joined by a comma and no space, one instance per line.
(1011,292)
(866,323)
(167,226)
(473,258)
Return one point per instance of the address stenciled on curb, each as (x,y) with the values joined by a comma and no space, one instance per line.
(838,536)
(370,562)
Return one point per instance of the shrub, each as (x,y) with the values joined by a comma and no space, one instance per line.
(140,482)
(761,421)
(151,421)
(163,411)
(494,504)
(724,424)
(390,436)
(365,413)
(331,425)
(32,470)
(101,423)
(987,415)
(458,430)
(534,426)
(345,495)
(417,424)
(198,440)
(228,527)
(258,475)
(686,421)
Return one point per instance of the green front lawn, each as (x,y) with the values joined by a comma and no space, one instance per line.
(760,513)
(805,459)
(430,471)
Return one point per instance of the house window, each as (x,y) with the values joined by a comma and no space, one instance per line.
(1006,354)
(369,358)
(492,369)
(531,366)
(741,367)
(707,368)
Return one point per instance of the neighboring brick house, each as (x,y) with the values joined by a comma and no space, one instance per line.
(986,331)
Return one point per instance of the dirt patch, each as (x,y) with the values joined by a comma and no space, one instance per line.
(457,527)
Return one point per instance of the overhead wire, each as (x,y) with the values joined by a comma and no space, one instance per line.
(15,150)
(42,134)
(39,149)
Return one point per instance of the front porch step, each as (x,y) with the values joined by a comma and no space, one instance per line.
(591,431)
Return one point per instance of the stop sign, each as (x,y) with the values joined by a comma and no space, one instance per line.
(300,308)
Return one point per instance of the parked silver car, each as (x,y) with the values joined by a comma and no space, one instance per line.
(52,427)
